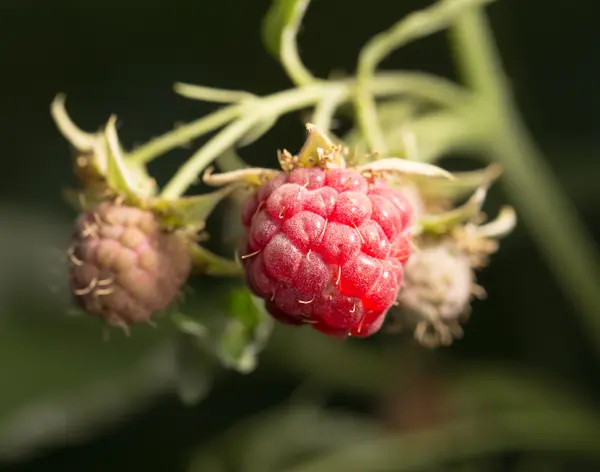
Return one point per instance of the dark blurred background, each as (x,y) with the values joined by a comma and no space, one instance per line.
(124,59)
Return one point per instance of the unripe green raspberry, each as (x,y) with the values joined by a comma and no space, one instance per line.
(124,267)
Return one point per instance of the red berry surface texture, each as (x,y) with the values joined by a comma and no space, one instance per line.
(327,247)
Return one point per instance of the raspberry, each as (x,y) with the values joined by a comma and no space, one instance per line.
(327,247)
(124,267)
(438,287)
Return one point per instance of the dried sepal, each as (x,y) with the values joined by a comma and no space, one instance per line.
(90,150)
(440,278)
(319,150)
(125,178)
(190,211)
(442,223)
(463,184)
(500,226)
(406,168)
(99,161)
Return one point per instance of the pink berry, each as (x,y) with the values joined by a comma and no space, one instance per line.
(327,247)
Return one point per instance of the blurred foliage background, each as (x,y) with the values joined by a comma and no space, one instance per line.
(71,401)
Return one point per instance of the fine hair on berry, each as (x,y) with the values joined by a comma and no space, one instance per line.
(124,267)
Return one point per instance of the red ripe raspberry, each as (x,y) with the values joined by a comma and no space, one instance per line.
(327,247)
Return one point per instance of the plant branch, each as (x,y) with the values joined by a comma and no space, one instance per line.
(391,84)
(183,134)
(415,26)
(546,209)
(289,56)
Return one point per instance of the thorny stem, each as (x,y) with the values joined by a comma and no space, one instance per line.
(539,198)
(424,86)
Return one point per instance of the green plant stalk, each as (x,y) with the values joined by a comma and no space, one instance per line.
(533,429)
(183,135)
(390,84)
(325,111)
(416,25)
(289,56)
(423,86)
(545,208)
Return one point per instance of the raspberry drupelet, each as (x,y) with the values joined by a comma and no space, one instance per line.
(327,247)
(124,267)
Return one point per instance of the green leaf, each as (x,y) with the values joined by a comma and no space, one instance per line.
(283,17)
(301,431)
(232,326)
(407,168)
(63,383)
(246,332)
(194,368)
(568,430)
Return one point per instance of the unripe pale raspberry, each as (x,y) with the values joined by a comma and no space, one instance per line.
(124,267)
(438,286)
(327,247)
(440,279)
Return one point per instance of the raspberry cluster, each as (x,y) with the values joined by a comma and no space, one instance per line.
(327,247)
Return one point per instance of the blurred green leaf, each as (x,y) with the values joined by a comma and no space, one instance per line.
(194,369)
(568,430)
(246,332)
(61,382)
(275,439)
(233,327)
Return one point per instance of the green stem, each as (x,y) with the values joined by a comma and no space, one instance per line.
(188,173)
(289,56)
(325,111)
(545,207)
(276,104)
(391,84)
(567,430)
(424,86)
(210,94)
(183,135)
(416,25)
